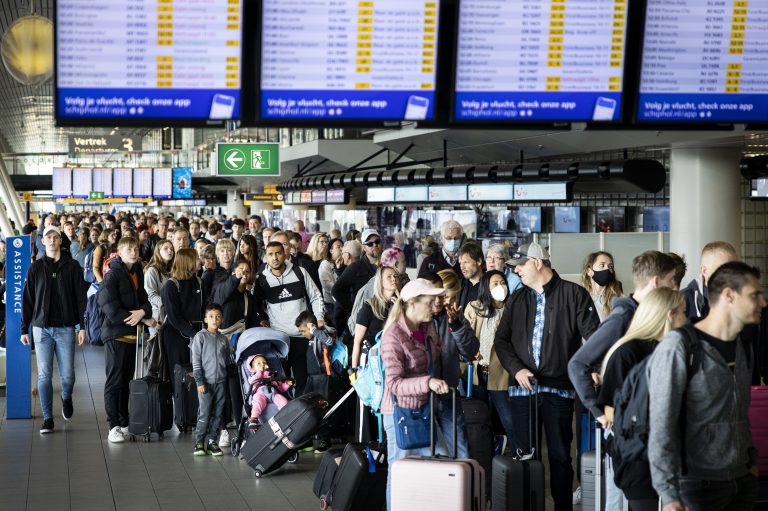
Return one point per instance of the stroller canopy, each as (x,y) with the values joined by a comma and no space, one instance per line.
(262,341)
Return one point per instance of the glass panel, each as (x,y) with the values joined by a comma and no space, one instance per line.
(568,251)
(625,246)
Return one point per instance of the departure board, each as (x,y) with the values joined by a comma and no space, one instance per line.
(142,183)
(705,61)
(62,183)
(122,180)
(349,59)
(540,60)
(162,183)
(102,181)
(82,182)
(148,59)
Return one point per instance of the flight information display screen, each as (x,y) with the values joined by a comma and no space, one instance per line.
(162,183)
(122,183)
(704,61)
(142,183)
(349,59)
(540,60)
(62,183)
(148,59)
(102,181)
(82,182)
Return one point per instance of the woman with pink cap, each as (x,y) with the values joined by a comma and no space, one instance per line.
(409,346)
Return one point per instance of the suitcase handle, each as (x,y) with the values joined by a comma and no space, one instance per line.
(433,420)
(139,367)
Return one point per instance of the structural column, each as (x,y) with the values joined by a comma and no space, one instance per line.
(235,204)
(705,201)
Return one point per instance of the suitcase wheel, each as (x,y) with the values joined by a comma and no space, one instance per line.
(294,457)
(323,503)
(257,474)
(147,438)
(161,435)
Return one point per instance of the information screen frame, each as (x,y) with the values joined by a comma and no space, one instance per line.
(701,125)
(122,170)
(634,26)
(150,173)
(67,170)
(251,102)
(167,172)
(82,193)
(107,193)
(128,121)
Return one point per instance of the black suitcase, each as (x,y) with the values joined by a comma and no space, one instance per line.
(477,420)
(185,401)
(360,481)
(518,483)
(274,443)
(150,403)
(328,466)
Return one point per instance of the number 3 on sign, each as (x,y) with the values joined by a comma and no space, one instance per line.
(128,144)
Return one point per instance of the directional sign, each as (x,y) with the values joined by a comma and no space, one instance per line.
(248,159)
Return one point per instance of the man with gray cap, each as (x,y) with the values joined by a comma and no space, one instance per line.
(541,328)
(357,275)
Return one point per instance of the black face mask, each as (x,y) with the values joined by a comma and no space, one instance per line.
(603,277)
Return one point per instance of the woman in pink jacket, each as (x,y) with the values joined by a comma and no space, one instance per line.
(408,347)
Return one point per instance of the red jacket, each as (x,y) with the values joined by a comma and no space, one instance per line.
(406,363)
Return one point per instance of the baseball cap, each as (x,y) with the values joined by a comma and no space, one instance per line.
(51,228)
(368,233)
(528,251)
(418,287)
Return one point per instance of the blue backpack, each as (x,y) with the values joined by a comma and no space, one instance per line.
(370,381)
(88,266)
(93,316)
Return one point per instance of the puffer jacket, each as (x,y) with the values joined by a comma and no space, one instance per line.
(406,365)
(118,297)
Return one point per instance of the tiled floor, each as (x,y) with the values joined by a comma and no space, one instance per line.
(76,469)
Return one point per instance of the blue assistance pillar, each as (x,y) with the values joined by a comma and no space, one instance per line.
(18,356)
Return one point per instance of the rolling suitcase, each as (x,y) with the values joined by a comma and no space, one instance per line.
(592,470)
(150,407)
(518,482)
(758,424)
(328,467)
(185,401)
(431,482)
(477,420)
(360,477)
(285,433)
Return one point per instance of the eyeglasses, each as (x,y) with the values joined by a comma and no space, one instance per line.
(373,243)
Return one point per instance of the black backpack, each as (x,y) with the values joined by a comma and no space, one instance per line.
(631,421)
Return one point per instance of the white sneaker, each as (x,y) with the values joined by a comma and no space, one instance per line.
(125,431)
(116,435)
(224,438)
(577,496)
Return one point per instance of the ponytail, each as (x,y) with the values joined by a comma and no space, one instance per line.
(398,309)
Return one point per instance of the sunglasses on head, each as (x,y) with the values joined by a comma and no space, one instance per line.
(372,243)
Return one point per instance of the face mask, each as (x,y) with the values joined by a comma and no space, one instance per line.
(452,246)
(499,293)
(603,277)
(514,282)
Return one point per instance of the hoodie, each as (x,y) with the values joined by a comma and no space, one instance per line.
(590,356)
(210,355)
(696,300)
(285,298)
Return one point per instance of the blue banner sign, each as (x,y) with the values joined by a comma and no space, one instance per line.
(18,356)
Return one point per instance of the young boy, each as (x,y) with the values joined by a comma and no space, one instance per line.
(321,368)
(210,355)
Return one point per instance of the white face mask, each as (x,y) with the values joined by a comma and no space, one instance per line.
(452,246)
(499,293)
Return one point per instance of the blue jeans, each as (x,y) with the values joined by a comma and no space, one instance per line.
(445,423)
(394,453)
(556,415)
(61,341)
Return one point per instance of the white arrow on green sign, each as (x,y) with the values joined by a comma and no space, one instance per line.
(248,159)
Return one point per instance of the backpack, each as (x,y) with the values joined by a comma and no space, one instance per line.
(363,295)
(105,265)
(93,316)
(631,417)
(88,274)
(369,384)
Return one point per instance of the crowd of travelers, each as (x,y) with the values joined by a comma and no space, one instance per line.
(526,331)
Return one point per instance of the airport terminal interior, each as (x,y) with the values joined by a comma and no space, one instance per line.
(579,125)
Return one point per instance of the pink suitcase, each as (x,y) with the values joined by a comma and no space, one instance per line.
(435,482)
(758,423)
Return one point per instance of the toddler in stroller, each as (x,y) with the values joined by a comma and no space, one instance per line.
(265,389)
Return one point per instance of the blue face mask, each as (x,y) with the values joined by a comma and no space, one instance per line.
(451,246)
(513,282)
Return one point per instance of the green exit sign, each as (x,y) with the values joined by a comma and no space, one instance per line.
(248,159)
(95,195)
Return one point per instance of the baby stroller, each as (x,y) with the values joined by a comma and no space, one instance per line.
(273,345)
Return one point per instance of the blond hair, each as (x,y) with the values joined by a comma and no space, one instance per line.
(184,264)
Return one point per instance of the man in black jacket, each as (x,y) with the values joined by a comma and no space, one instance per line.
(446,258)
(50,221)
(356,275)
(124,303)
(53,303)
(542,327)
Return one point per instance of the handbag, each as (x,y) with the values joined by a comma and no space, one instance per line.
(413,427)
